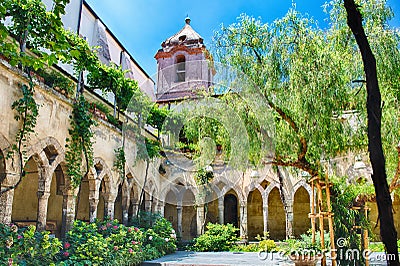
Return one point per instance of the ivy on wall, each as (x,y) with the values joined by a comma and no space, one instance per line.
(80,141)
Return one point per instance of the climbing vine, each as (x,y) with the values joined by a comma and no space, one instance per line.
(27,112)
(80,141)
(120,161)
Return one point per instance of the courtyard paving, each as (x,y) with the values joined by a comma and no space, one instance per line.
(188,258)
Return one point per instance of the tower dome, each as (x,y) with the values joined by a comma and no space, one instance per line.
(186,36)
(183,66)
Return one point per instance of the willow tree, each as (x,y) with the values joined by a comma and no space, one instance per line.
(290,62)
(306,76)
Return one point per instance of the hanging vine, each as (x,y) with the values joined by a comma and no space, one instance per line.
(80,141)
(120,161)
(27,112)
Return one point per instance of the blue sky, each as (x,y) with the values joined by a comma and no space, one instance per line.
(142,26)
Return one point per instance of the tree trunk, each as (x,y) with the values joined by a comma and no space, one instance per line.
(383,199)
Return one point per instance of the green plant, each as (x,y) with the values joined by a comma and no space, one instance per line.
(102,243)
(25,246)
(267,245)
(80,141)
(218,237)
(120,161)
(343,197)
(55,79)
(27,112)
(304,244)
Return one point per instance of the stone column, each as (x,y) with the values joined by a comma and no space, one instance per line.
(109,206)
(94,195)
(265,217)
(135,207)
(125,209)
(93,203)
(200,220)
(179,216)
(221,210)
(147,204)
(243,220)
(289,218)
(161,208)
(43,198)
(68,216)
(6,201)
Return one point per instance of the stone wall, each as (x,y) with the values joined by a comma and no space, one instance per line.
(43,196)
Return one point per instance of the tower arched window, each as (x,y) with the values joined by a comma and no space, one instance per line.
(180,68)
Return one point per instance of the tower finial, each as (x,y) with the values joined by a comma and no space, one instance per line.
(187,19)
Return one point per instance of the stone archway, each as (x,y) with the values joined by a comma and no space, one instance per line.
(170,209)
(231,209)
(56,202)
(188,214)
(82,204)
(301,209)
(118,205)
(276,216)
(134,200)
(255,222)
(25,201)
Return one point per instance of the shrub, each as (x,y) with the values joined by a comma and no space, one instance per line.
(218,237)
(102,243)
(245,248)
(108,242)
(25,246)
(267,245)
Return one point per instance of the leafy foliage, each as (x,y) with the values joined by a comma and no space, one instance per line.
(25,246)
(344,197)
(34,27)
(218,237)
(108,242)
(26,111)
(304,244)
(290,55)
(120,161)
(80,141)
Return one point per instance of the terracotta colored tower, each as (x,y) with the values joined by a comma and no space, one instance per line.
(183,66)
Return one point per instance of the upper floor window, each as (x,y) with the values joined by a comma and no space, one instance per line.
(180,68)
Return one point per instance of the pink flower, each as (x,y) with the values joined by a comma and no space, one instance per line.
(67,245)
(103,228)
(115,248)
(66,253)
(10,262)
(108,224)
(19,236)
(115,226)
(166,239)
(136,229)
(129,229)
(130,250)
(134,242)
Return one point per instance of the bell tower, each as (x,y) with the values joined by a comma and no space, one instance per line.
(182,66)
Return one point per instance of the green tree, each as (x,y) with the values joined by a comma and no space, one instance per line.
(29,25)
(306,77)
